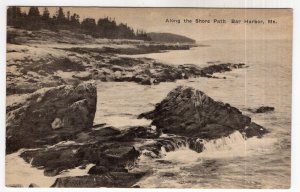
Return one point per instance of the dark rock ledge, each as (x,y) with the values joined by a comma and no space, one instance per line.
(187,117)
(191,113)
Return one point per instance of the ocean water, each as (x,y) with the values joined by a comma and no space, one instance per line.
(230,162)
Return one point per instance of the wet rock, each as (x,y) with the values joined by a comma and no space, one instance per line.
(113,156)
(82,167)
(15,185)
(167,174)
(85,75)
(163,161)
(191,70)
(50,172)
(33,185)
(98,170)
(121,156)
(167,144)
(50,114)
(55,159)
(220,68)
(111,179)
(104,131)
(142,79)
(196,144)
(137,132)
(136,186)
(255,130)
(263,109)
(189,112)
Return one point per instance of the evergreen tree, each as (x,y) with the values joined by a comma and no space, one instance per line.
(89,24)
(46,14)
(60,16)
(68,15)
(13,15)
(105,27)
(34,12)
(33,19)
(74,20)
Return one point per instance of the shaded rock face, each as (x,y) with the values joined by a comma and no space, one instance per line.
(50,115)
(112,179)
(170,143)
(255,130)
(109,149)
(111,156)
(189,112)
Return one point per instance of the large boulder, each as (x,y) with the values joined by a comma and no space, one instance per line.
(50,115)
(189,112)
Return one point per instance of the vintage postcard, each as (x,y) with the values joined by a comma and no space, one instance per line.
(148,97)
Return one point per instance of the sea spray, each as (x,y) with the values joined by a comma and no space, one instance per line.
(19,172)
(224,143)
(236,145)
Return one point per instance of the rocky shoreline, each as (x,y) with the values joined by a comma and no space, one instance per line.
(65,114)
(52,126)
(32,65)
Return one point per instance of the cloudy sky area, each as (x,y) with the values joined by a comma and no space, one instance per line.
(153,20)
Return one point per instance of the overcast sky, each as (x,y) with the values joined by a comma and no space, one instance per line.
(154,20)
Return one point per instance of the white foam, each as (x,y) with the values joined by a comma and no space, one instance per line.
(236,145)
(183,154)
(22,173)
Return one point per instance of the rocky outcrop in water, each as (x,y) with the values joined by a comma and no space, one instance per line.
(50,115)
(189,112)
(108,148)
(188,116)
(262,109)
(113,152)
(33,185)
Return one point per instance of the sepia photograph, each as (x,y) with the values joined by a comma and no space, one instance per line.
(132,97)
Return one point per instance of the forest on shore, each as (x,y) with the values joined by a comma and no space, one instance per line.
(61,20)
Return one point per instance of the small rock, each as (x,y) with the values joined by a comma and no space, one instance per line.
(264,109)
(136,186)
(51,172)
(98,170)
(33,185)
(15,185)
(163,161)
(167,174)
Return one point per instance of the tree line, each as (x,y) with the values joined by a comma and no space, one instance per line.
(103,28)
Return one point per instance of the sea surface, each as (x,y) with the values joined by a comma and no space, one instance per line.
(230,162)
